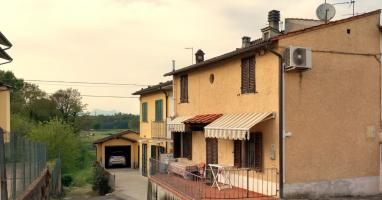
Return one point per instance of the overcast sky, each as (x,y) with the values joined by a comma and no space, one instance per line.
(132,41)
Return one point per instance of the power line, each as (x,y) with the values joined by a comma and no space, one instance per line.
(89,83)
(100,96)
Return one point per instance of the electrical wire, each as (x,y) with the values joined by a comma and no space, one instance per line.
(89,83)
(100,96)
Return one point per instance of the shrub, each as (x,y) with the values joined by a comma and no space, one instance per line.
(100,180)
(66,180)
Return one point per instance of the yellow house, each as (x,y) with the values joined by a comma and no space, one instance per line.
(121,144)
(5,118)
(156,105)
(298,111)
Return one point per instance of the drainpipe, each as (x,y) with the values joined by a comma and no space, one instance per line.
(281,120)
(380,125)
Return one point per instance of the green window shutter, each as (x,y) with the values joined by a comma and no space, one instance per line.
(144,112)
(158,110)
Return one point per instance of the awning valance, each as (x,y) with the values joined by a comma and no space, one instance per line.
(177,125)
(235,126)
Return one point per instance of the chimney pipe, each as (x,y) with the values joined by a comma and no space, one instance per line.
(199,56)
(245,41)
(274,19)
(173,65)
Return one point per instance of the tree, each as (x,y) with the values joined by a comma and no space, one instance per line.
(68,103)
(42,110)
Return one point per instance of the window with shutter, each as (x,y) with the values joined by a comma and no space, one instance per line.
(187,145)
(184,89)
(258,152)
(158,110)
(237,153)
(248,77)
(212,150)
(144,112)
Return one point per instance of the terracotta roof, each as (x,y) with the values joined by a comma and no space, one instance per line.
(302,19)
(256,44)
(155,88)
(117,136)
(5,85)
(203,119)
(326,25)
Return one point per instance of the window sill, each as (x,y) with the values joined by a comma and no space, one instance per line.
(249,93)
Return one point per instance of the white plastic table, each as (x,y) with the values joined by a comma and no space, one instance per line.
(226,182)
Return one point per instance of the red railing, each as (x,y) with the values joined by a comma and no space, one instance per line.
(244,183)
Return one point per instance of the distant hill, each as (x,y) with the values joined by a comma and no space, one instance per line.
(103,112)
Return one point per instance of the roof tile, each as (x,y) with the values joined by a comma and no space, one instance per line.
(203,119)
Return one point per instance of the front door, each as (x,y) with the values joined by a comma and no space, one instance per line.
(144,159)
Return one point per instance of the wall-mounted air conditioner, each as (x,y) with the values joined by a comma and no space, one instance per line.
(297,58)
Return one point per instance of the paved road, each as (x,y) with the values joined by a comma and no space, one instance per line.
(130,184)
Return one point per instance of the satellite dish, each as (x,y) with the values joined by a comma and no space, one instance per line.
(325,12)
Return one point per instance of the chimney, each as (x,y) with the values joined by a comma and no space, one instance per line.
(273,29)
(274,19)
(245,41)
(199,56)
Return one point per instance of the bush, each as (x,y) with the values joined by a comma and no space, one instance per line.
(100,180)
(60,139)
(66,180)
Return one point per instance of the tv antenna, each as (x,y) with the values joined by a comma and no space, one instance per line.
(351,3)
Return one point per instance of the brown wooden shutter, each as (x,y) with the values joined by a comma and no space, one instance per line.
(237,153)
(252,74)
(212,150)
(186,88)
(258,151)
(187,145)
(244,75)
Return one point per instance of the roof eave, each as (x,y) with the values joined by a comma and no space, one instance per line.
(4,41)
(218,59)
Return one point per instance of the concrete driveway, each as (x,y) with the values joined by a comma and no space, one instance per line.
(129,184)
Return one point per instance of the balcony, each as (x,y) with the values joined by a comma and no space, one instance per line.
(159,130)
(246,184)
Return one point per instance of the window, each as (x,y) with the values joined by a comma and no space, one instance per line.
(184,89)
(158,110)
(249,153)
(144,112)
(248,82)
(182,145)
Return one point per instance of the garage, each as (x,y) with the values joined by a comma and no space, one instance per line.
(120,150)
(117,152)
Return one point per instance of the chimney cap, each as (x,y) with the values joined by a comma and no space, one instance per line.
(199,52)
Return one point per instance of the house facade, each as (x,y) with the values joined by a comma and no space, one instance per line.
(296,133)
(156,105)
(5,119)
(5,114)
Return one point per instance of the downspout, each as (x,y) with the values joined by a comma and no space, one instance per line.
(281,120)
(166,111)
(380,122)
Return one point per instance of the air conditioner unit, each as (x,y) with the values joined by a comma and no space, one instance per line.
(297,58)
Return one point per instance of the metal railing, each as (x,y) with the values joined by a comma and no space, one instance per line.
(245,183)
(21,162)
(56,185)
(159,129)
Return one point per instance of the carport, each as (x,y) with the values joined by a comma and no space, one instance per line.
(122,144)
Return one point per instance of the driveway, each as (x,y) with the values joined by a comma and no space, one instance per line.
(129,184)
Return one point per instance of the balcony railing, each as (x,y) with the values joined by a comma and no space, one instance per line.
(159,129)
(246,183)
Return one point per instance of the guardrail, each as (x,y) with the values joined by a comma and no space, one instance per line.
(159,129)
(240,183)
(21,162)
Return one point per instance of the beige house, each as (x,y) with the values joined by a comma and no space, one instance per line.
(156,105)
(5,118)
(299,110)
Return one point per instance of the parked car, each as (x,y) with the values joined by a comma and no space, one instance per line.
(117,159)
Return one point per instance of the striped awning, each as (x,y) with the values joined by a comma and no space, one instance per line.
(177,125)
(235,126)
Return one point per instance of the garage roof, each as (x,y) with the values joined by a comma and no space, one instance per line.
(117,136)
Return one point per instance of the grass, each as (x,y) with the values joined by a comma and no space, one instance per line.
(83,177)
